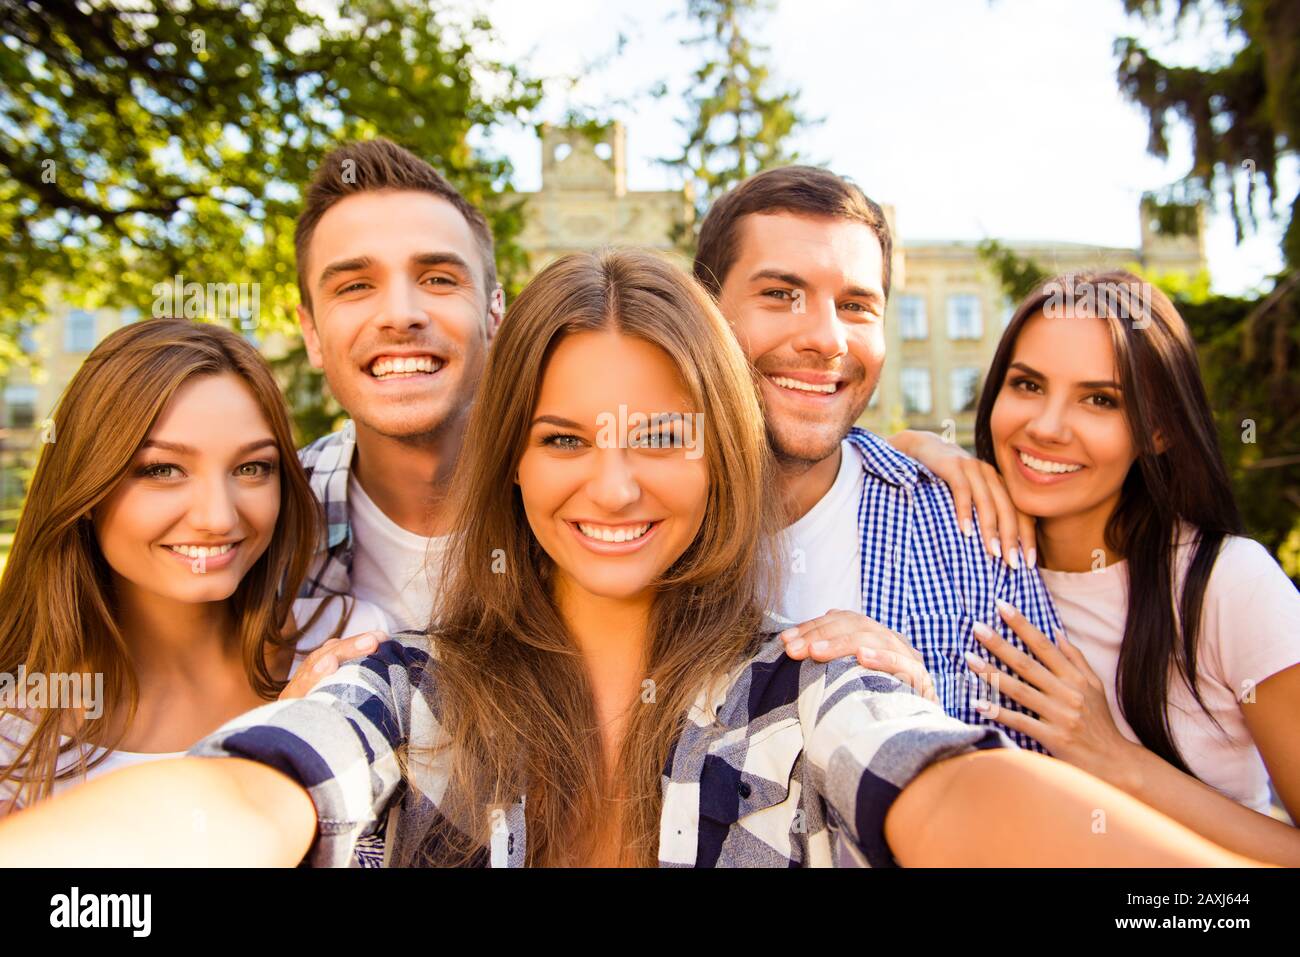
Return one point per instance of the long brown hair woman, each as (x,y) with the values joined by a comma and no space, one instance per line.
(602,688)
(154,567)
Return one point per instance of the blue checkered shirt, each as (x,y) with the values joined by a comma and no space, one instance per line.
(924,579)
(780,763)
(328,463)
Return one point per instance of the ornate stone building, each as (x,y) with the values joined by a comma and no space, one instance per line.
(584,202)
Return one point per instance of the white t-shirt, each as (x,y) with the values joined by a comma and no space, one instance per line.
(822,551)
(391,567)
(1250,630)
(363,617)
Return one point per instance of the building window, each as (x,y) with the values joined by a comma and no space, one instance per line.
(1008,310)
(20,406)
(916,391)
(965,389)
(964,317)
(79,331)
(911,316)
(27,339)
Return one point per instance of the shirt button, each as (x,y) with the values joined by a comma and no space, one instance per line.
(744,790)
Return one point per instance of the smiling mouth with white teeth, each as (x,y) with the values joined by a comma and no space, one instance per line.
(1046,467)
(602,533)
(201,551)
(402,367)
(798,385)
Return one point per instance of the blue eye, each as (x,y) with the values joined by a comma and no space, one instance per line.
(563,441)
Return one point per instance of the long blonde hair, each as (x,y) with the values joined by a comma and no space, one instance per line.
(516,703)
(57,605)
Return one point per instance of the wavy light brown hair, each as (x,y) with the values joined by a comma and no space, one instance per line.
(516,701)
(57,604)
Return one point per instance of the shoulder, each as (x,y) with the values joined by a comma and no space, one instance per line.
(327,451)
(361,616)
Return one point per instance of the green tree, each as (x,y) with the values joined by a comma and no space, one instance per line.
(1243,115)
(739,125)
(144,140)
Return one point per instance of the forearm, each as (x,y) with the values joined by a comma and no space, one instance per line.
(177,812)
(1209,813)
(1019,809)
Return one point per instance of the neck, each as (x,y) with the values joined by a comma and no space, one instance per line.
(1077,542)
(171,641)
(804,484)
(612,636)
(407,478)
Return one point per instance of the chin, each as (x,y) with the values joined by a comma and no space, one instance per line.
(809,444)
(619,587)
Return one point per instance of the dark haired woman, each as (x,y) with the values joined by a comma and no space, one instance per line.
(1178,681)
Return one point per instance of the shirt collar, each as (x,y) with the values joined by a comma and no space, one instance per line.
(330,474)
(886,463)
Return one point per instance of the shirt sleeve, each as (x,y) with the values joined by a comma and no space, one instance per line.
(871,736)
(1251,616)
(340,742)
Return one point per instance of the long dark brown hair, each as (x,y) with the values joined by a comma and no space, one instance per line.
(516,702)
(1186,482)
(58,611)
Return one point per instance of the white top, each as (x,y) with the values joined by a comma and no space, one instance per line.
(364,617)
(822,551)
(391,567)
(1250,630)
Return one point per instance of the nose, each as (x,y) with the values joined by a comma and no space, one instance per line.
(1050,426)
(613,485)
(400,310)
(212,509)
(819,329)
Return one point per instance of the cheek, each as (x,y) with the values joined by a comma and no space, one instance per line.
(1107,443)
(681,485)
(260,507)
(545,484)
(867,345)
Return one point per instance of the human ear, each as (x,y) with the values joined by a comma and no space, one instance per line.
(309,337)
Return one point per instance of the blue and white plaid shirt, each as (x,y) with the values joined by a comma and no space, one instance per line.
(328,463)
(924,579)
(781,763)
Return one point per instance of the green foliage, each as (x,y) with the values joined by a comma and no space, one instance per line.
(1017,274)
(144,140)
(738,125)
(1243,113)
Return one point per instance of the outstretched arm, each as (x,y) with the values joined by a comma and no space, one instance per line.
(179,812)
(1009,808)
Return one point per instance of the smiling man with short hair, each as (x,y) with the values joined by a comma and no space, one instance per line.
(400,300)
(799,260)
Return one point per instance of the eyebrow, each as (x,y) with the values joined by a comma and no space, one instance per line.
(793,279)
(1090,384)
(419,259)
(555,420)
(181,449)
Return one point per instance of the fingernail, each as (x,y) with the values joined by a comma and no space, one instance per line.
(966,528)
(997,548)
(974,660)
(982,630)
(983,706)
(795,647)
(1015,559)
(1004,607)
(819,647)
(867,654)
(1032,557)
(368,643)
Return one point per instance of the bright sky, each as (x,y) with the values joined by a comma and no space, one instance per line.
(973,118)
